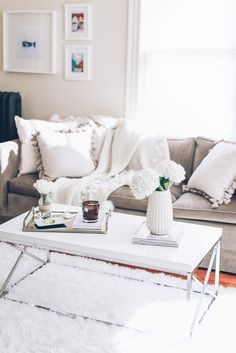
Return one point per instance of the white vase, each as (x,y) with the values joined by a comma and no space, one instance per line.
(159,216)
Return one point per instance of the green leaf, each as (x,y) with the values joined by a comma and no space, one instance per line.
(168,184)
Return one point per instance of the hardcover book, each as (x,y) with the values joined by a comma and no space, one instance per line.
(172,239)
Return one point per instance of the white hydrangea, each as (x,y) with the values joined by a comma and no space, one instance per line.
(144,183)
(171,170)
(44,187)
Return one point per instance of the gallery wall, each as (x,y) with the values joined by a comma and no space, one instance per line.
(44,95)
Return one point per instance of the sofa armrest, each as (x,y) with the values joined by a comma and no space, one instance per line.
(9,167)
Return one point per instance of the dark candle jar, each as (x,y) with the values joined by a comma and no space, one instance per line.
(90,211)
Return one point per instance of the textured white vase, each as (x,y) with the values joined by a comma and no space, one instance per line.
(159,212)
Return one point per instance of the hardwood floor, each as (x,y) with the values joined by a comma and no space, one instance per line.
(226,279)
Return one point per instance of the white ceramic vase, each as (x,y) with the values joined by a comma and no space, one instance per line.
(159,216)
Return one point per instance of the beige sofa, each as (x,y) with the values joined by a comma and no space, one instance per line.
(18,195)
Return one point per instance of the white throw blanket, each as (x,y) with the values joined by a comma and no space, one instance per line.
(124,151)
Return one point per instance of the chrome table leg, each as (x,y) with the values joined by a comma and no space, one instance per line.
(189,286)
(217,268)
(215,256)
(48,256)
(4,286)
(17,247)
(23,251)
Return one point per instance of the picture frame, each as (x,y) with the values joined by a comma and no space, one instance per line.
(78,19)
(29,41)
(78,62)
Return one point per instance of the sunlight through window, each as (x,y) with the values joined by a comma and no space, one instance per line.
(186,84)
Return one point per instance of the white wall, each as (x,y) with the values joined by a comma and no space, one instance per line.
(44,95)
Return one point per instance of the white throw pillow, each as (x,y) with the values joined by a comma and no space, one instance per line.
(64,154)
(215,177)
(98,135)
(25,129)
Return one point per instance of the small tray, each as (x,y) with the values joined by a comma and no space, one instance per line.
(29,224)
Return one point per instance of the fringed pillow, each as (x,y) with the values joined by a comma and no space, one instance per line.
(25,129)
(215,177)
(64,153)
(98,134)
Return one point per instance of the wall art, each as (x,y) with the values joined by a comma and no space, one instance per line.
(29,41)
(78,21)
(78,62)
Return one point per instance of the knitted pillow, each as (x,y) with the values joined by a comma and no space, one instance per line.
(64,153)
(215,177)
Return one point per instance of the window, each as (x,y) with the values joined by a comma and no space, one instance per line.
(182,67)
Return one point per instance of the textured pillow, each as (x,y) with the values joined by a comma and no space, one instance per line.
(98,134)
(215,177)
(64,154)
(25,129)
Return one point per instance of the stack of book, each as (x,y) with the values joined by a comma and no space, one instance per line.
(172,239)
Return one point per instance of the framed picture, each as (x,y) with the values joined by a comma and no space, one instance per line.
(78,21)
(29,41)
(78,62)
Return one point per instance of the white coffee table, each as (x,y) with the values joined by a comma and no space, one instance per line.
(116,246)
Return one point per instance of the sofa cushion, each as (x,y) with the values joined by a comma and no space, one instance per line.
(196,207)
(182,152)
(123,198)
(18,203)
(23,185)
(203,146)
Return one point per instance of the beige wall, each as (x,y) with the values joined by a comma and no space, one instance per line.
(44,95)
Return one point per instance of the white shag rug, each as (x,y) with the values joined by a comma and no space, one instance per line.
(119,310)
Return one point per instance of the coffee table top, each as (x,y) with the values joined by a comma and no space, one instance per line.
(116,245)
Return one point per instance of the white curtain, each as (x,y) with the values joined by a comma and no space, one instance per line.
(186,83)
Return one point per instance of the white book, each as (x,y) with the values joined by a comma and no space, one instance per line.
(78,222)
(143,236)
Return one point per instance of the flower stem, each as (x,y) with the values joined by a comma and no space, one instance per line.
(165,184)
(44,198)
